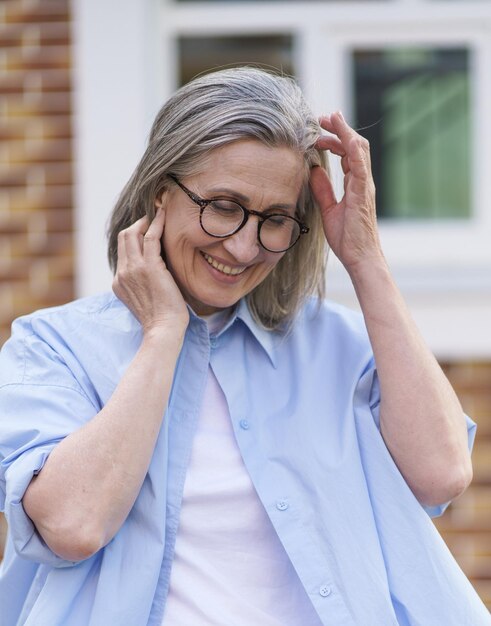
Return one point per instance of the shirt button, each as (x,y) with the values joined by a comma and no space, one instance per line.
(282,505)
(325,591)
(244,424)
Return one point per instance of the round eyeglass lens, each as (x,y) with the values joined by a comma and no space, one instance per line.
(279,232)
(222,217)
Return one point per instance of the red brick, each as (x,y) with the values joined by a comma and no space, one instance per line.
(53,57)
(47,80)
(40,104)
(38,151)
(14,11)
(42,34)
(40,197)
(39,127)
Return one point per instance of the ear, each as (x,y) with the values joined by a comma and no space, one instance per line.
(160,199)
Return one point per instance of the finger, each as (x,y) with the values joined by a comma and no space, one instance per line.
(325,123)
(358,156)
(122,255)
(346,181)
(152,241)
(322,188)
(345,164)
(355,145)
(133,238)
(342,129)
(333,144)
(337,125)
(140,226)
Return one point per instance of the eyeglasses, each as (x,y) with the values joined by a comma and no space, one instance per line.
(220,217)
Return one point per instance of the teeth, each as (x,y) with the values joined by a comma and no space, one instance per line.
(225,269)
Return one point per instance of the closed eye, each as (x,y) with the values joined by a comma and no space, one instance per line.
(225,206)
(278,219)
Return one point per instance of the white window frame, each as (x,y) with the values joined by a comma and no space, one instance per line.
(444,267)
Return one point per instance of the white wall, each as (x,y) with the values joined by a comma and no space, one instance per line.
(117,67)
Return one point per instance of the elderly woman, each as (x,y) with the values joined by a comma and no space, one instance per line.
(214,444)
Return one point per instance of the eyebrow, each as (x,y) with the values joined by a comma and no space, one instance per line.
(213,193)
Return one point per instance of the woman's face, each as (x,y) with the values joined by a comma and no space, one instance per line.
(211,273)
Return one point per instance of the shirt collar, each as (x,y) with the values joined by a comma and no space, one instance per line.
(268,339)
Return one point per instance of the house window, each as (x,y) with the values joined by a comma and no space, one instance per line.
(413,105)
(203,54)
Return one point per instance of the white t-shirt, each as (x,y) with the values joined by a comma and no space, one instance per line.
(229,568)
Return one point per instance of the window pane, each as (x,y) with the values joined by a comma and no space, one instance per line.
(204,54)
(413,106)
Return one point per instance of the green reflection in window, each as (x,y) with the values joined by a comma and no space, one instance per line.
(413,106)
(205,54)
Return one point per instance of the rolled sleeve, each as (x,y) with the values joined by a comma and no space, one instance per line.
(26,540)
(41,403)
(436,511)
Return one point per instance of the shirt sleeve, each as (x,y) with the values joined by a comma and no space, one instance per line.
(433,511)
(41,402)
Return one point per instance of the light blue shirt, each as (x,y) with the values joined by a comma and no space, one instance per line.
(304,408)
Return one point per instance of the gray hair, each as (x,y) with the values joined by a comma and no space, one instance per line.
(214,110)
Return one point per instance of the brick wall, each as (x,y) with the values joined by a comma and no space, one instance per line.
(36,206)
(36,234)
(466,525)
(36,195)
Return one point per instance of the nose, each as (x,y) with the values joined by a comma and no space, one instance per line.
(244,245)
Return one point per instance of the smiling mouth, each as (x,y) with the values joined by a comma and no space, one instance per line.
(225,269)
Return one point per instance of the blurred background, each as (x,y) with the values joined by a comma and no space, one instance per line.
(81,81)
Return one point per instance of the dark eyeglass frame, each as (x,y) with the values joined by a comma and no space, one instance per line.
(203,203)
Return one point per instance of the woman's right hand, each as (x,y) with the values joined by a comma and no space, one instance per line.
(78,512)
(142,280)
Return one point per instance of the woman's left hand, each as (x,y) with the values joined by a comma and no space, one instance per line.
(421,419)
(350,224)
